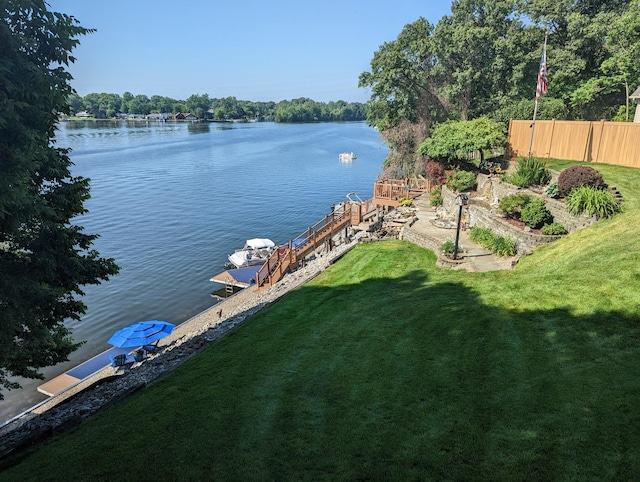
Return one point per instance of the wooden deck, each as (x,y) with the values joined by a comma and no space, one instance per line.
(389,192)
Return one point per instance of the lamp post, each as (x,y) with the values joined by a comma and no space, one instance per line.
(461,201)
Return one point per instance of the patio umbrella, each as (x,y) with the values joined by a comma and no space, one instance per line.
(141,333)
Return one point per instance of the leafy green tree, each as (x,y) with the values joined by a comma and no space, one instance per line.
(126,98)
(91,102)
(198,104)
(110,103)
(140,104)
(578,33)
(452,140)
(619,73)
(75,103)
(402,81)
(44,258)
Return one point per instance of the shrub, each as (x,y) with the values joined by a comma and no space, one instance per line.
(406,202)
(576,176)
(531,172)
(448,247)
(552,190)
(592,201)
(535,214)
(435,197)
(461,180)
(434,171)
(553,228)
(511,206)
(486,238)
(504,246)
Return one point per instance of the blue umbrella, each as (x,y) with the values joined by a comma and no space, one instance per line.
(141,333)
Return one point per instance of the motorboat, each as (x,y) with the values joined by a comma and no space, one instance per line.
(255,251)
(346,156)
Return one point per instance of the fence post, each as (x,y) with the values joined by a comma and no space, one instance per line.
(597,159)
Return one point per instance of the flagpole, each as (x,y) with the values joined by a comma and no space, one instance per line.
(535,108)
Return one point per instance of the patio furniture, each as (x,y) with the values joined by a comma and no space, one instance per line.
(120,361)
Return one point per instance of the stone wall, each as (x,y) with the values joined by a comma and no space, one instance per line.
(526,242)
(494,189)
(482,210)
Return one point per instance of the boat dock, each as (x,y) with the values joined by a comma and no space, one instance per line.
(80,372)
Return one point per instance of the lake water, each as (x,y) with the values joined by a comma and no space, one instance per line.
(170,202)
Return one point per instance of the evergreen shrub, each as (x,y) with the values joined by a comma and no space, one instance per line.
(576,176)
(461,180)
(511,206)
(535,214)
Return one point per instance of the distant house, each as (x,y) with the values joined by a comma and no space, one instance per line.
(185,116)
(83,115)
(158,117)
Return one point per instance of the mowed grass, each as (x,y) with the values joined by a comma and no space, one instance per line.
(388,368)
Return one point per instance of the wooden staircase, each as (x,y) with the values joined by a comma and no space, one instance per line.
(286,258)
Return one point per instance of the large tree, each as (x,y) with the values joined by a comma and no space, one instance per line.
(45,259)
(402,82)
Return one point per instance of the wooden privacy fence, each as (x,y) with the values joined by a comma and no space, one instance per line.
(591,141)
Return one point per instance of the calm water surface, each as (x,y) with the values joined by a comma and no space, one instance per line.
(171,201)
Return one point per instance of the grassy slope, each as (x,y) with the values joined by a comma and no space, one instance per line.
(386,367)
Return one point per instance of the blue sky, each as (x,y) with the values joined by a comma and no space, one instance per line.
(257,50)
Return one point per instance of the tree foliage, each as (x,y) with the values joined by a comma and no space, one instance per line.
(483,60)
(220,109)
(452,140)
(44,258)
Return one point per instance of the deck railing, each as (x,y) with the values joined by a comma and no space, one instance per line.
(286,258)
(388,192)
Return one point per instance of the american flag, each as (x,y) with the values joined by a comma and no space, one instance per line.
(541,87)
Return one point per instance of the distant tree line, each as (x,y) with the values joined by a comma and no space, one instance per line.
(227,108)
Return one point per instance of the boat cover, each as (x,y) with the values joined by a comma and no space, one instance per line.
(259,243)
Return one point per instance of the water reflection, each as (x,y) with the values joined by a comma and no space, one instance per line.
(198,127)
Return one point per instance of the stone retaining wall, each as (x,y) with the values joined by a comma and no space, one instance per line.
(526,242)
(482,210)
(494,189)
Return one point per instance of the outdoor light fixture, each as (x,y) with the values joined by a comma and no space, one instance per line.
(461,201)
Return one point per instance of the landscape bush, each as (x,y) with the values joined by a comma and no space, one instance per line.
(554,228)
(575,176)
(435,197)
(592,201)
(530,172)
(461,180)
(535,214)
(552,190)
(511,206)
(435,171)
(405,202)
(448,247)
(500,245)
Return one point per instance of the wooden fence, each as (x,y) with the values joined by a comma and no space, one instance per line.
(591,141)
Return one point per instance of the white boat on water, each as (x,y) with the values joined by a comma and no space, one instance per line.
(255,251)
(346,156)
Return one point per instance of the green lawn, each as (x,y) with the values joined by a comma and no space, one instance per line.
(388,368)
